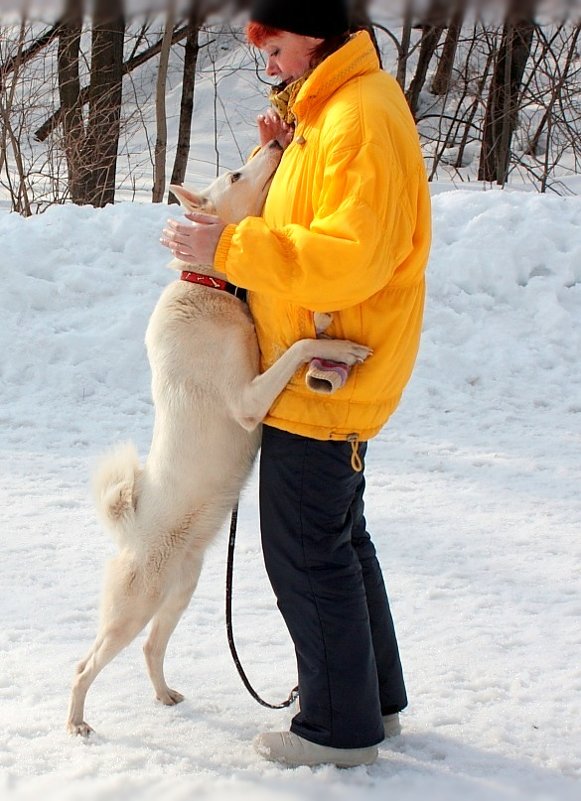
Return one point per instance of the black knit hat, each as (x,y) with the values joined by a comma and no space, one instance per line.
(319,18)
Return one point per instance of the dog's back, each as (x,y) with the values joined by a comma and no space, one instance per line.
(199,457)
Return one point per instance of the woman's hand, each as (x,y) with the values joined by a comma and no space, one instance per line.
(271,126)
(194,242)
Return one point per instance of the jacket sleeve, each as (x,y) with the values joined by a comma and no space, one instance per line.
(361,231)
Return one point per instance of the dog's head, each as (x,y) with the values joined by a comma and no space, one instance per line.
(236,195)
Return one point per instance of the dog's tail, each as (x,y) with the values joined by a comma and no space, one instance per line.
(116,486)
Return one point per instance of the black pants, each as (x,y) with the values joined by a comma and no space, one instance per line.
(322,565)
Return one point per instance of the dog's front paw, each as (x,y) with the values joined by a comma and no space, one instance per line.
(170,697)
(342,350)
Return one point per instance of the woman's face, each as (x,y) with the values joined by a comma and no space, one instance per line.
(288,55)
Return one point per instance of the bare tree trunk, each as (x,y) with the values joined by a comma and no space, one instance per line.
(19,195)
(432,25)
(42,133)
(195,21)
(502,109)
(404,50)
(474,108)
(70,91)
(160,110)
(443,77)
(105,94)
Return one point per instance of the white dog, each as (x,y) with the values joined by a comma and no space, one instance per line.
(209,401)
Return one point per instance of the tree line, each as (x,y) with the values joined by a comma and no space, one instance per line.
(494,82)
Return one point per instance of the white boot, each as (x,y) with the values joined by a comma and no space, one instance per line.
(391,725)
(290,749)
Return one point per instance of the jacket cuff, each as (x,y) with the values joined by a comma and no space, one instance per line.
(221,255)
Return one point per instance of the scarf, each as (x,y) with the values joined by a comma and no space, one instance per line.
(282,100)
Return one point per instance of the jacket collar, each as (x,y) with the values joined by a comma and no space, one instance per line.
(356,58)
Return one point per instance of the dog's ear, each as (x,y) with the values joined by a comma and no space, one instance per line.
(190,200)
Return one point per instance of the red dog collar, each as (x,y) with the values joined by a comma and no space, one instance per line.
(213,283)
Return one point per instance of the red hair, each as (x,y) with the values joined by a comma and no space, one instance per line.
(257,33)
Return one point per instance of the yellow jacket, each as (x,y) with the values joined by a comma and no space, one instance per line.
(346,229)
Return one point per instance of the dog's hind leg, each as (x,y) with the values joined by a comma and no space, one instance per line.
(125,613)
(163,625)
(107,645)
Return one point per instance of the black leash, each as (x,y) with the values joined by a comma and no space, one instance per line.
(229,573)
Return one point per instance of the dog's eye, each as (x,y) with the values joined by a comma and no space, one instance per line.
(236,176)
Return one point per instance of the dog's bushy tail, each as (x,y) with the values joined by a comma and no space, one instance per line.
(116,486)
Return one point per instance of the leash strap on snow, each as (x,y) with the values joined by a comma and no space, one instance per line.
(229,574)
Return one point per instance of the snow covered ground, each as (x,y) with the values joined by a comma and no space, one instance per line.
(473,497)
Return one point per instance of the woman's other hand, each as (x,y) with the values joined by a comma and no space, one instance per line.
(271,126)
(195,242)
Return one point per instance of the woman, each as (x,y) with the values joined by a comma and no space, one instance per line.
(345,229)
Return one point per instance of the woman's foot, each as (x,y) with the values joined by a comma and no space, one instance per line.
(290,749)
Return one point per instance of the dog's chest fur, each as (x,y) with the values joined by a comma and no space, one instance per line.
(192,324)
